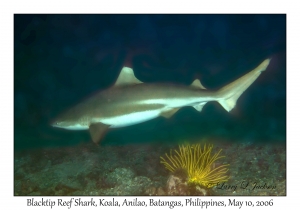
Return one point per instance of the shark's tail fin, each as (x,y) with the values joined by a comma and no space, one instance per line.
(231,92)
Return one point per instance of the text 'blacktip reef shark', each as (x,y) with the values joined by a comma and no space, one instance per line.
(131,101)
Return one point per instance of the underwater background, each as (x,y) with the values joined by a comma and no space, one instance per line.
(61,59)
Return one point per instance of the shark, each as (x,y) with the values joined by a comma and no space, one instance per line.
(130,101)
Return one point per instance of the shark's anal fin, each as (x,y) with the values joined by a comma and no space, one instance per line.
(97,131)
(170,113)
(199,106)
(126,77)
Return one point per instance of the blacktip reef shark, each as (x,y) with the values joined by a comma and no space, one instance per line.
(131,101)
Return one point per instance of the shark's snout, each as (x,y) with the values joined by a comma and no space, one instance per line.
(69,125)
(54,123)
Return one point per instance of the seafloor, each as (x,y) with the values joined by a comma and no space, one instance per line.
(88,169)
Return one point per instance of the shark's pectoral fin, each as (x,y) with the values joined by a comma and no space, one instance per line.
(199,107)
(169,113)
(97,131)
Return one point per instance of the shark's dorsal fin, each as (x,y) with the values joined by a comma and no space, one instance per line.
(197,84)
(126,77)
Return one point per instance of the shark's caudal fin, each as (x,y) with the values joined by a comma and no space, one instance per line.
(231,92)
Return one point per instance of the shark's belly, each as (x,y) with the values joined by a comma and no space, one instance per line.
(131,118)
